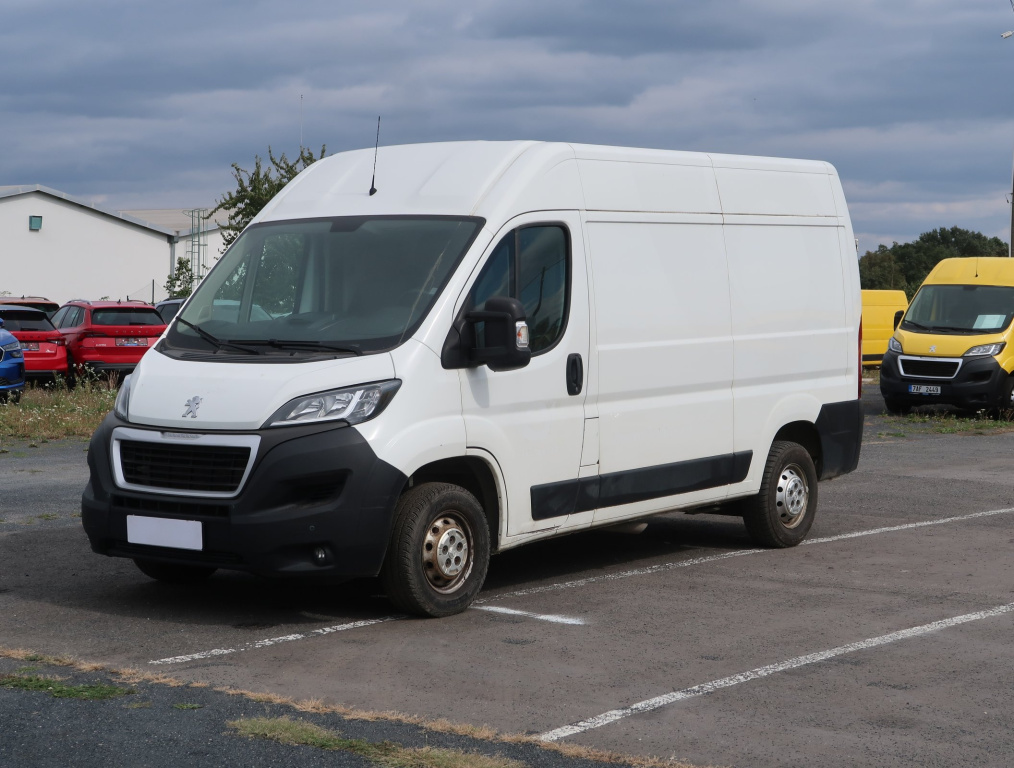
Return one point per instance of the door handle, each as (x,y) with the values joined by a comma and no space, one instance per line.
(575,374)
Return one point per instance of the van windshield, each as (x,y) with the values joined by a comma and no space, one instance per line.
(345,285)
(969,309)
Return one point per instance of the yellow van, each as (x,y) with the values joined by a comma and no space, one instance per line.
(879,310)
(953,345)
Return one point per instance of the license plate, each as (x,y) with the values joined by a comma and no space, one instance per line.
(131,341)
(923,389)
(162,532)
(30,346)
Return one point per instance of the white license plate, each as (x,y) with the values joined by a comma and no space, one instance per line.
(30,346)
(161,532)
(126,341)
(923,389)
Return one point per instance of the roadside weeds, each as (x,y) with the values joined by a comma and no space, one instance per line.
(255,728)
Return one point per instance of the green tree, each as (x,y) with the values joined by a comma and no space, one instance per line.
(255,188)
(180,283)
(904,266)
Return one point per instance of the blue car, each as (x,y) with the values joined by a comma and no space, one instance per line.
(12,367)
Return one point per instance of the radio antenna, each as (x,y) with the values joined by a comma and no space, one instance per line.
(373,187)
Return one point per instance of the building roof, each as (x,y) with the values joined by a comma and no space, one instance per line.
(15,191)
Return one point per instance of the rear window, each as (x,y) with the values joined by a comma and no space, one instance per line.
(126,316)
(26,321)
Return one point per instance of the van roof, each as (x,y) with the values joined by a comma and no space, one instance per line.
(973,270)
(495,179)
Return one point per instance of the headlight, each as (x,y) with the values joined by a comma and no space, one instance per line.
(352,405)
(12,350)
(122,403)
(894,345)
(986,349)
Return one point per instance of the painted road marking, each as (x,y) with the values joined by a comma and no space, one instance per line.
(800,661)
(552,617)
(735,553)
(274,641)
(661,568)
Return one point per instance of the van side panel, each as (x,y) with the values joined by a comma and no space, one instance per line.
(664,355)
(792,341)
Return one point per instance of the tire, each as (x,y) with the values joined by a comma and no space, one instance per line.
(16,396)
(781,514)
(897,407)
(173,573)
(436,518)
(1004,408)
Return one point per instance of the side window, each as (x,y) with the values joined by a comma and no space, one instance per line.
(59,317)
(531,264)
(73,317)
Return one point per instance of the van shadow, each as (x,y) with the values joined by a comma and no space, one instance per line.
(56,567)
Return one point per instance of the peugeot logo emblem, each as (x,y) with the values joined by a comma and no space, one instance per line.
(192,405)
(933,348)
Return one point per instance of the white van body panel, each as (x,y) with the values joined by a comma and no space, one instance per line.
(238,396)
(423,422)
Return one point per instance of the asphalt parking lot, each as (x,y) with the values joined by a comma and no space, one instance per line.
(883,640)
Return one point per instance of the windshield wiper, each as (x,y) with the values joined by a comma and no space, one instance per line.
(214,339)
(304,344)
(920,326)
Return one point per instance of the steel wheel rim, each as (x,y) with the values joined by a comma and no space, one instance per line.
(447,552)
(791,496)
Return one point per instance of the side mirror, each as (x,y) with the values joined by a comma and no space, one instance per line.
(506,334)
(897,318)
(1,322)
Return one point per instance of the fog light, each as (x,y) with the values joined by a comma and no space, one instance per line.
(320,556)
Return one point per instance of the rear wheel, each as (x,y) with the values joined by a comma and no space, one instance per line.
(439,551)
(173,573)
(782,513)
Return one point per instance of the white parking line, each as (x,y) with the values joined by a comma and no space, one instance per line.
(800,661)
(552,617)
(735,553)
(274,641)
(660,568)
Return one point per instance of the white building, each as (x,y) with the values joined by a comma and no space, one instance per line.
(62,248)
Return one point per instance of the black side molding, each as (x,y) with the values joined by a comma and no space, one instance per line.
(840,426)
(616,488)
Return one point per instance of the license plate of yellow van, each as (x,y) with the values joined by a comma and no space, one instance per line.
(923,389)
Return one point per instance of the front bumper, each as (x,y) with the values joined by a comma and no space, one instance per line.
(980,383)
(12,375)
(309,487)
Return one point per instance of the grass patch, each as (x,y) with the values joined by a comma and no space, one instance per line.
(188,706)
(285,730)
(60,690)
(951,424)
(49,414)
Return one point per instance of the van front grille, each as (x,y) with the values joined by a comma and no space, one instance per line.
(929,369)
(203,468)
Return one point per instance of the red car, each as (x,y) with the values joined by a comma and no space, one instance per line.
(43,346)
(107,336)
(35,302)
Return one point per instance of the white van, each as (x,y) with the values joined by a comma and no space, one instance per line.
(506,341)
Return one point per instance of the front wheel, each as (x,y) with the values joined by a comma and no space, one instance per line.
(782,513)
(173,573)
(896,407)
(439,551)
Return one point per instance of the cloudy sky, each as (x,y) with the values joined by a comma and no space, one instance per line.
(146,105)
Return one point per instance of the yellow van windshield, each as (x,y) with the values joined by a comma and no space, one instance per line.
(960,309)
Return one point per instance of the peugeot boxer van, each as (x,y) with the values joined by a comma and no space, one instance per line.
(487,345)
(881,311)
(952,346)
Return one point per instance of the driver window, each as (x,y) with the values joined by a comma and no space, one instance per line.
(531,264)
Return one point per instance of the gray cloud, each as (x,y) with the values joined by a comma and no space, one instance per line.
(137,105)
